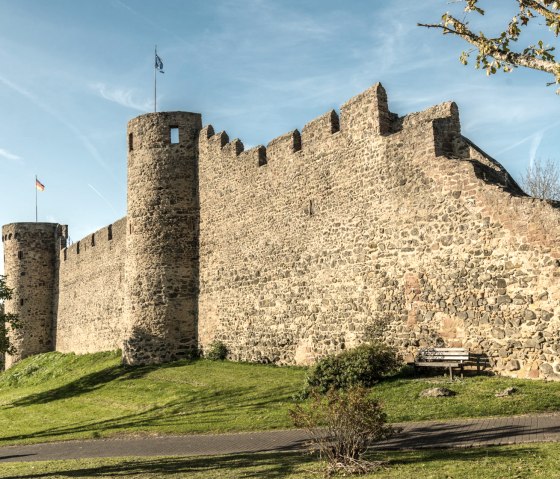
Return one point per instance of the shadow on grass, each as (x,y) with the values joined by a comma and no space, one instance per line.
(91,382)
(249,465)
(269,465)
(207,409)
(499,453)
(409,372)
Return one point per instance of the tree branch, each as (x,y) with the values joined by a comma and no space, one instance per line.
(487,48)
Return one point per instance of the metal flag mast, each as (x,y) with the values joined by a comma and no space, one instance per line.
(158,66)
(155,79)
(36,189)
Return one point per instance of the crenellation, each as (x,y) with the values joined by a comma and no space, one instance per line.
(316,135)
(233,149)
(205,134)
(367,219)
(284,145)
(219,140)
(367,115)
(255,156)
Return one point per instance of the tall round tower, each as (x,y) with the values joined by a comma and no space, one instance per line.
(30,254)
(162,237)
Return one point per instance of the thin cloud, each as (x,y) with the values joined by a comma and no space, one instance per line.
(121,96)
(51,111)
(10,156)
(537,139)
(103,198)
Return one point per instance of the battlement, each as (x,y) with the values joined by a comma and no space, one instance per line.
(364,117)
(94,243)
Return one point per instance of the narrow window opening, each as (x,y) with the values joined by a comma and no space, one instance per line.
(174,134)
(21,302)
(20,254)
(78,247)
(110,232)
(93,240)
(65,250)
(130,228)
(130,142)
(310,207)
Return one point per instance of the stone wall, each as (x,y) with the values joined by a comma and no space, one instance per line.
(89,293)
(395,222)
(363,223)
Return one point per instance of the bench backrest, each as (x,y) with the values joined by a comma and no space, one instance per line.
(444,354)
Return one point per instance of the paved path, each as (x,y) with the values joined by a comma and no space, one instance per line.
(433,434)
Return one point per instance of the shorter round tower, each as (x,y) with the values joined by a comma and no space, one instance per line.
(30,254)
(161,296)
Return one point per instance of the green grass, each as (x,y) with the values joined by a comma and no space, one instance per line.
(475,397)
(56,396)
(506,462)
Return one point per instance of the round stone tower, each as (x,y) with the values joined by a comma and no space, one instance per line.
(30,255)
(162,237)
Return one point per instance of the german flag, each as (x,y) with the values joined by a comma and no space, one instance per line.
(40,186)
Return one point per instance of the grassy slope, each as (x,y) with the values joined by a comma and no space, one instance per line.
(54,397)
(540,461)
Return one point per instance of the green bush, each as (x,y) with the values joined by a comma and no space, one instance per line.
(217,351)
(362,366)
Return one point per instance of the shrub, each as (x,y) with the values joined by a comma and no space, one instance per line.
(217,351)
(342,425)
(361,366)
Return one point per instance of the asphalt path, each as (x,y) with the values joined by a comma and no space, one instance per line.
(414,435)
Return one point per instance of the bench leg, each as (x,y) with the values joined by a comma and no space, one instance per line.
(461,371)
(450,373)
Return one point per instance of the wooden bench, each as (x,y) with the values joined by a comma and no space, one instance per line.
(447,358)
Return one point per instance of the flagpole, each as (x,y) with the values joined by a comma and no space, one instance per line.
(35,198)
(155,81)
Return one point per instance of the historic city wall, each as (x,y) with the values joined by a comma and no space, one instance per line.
(363,224)
(89,293)
(374,220)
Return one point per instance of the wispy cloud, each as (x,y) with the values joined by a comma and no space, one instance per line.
(51,111)
(121,96)
(537,139)
(103,198)
(10,156)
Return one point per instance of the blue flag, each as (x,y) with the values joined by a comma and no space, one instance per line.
(159,64)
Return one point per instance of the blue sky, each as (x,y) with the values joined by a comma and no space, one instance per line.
(75,72)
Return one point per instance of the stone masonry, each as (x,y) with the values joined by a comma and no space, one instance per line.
(362,221)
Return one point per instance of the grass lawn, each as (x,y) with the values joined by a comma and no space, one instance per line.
(506,462)
(63,396)
(57,396)
(475,397)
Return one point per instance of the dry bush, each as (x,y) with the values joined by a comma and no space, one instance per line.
(342,426)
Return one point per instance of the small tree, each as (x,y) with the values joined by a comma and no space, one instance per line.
(7,320)
(342,426)
(542,180)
